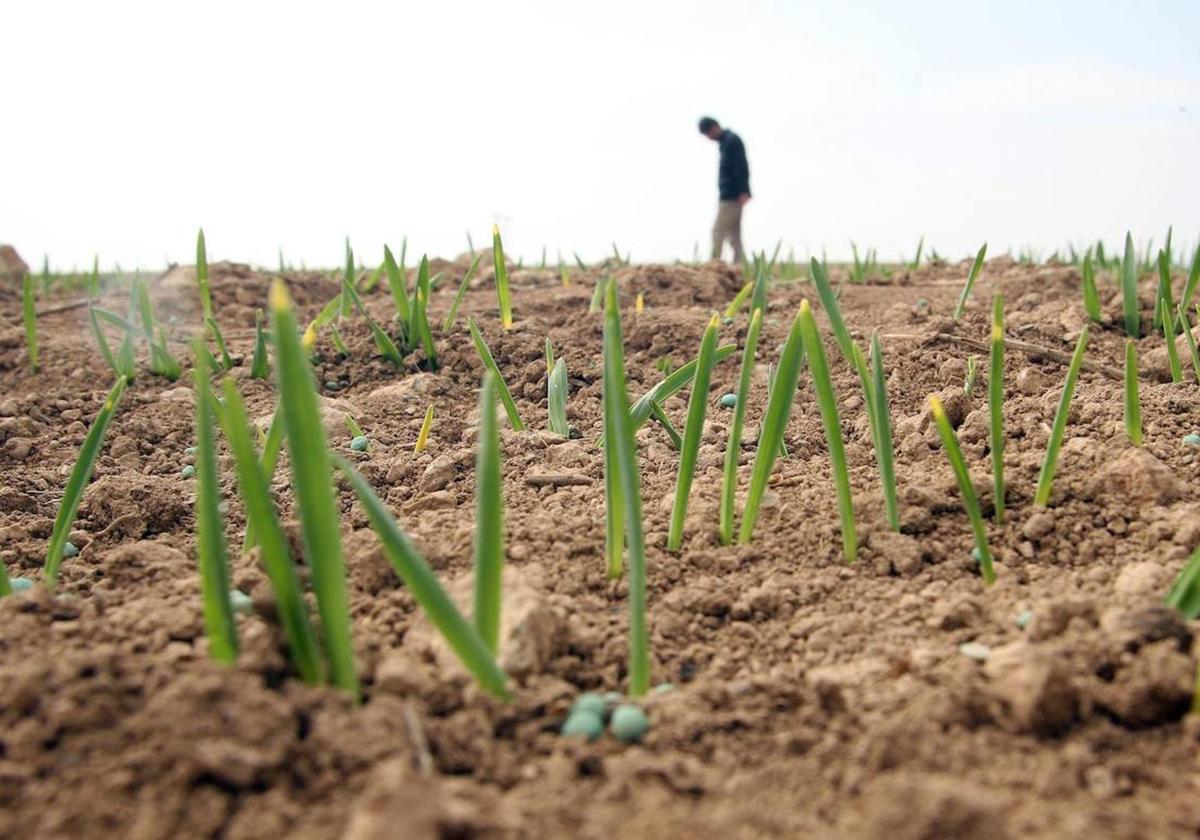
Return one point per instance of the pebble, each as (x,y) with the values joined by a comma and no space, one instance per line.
(663,688)
(241,603)
(1023,618)
(20,584)
(589,701)
(359,444)
(729,400)
(583,722)
(188,471)
(191,450)
(332,385)
(975,650)
(727,320)
(70,549)
(629,723)
(1192,439)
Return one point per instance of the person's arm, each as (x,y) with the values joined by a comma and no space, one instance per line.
(743,169)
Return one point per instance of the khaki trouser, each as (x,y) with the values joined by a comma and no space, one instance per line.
(728,226)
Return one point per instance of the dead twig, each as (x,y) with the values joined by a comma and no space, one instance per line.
(1031,350)
(556,479)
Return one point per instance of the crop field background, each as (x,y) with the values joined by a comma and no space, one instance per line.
(835,668)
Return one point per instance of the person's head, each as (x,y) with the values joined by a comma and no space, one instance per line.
(710,128)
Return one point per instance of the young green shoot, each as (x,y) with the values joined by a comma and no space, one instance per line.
(739,300)
(383,342)
(273,548)
(660,417)
(827,402)
(489,519)
(500,268)
(353,428)
(692,432)
(970,501)
(971,377)
(1185,327)
(624,459)
(81,474)
(1091,298)
(1164,285)
(669,385)
(1058,429)
(309,459)
(1193,278)
(423,435)
(260,364)
(421,581)
(206,306)
(1185,592)
(733,446)
(29,310)
(996,406)
(397,279)
(598,294)
(1129,290)
(489,363)
(215,331)
(272,443)
(779,410)
(1133,402)
(458,296)
(556,398)
(1167,320)
(884,447)
(210,525)
(976,267)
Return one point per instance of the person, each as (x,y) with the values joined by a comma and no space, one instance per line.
(733,185)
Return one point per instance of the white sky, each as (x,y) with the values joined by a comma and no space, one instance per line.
(128,125)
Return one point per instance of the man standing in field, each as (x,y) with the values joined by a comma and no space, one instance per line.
(733,182)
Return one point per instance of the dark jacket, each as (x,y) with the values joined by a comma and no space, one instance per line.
(733,175)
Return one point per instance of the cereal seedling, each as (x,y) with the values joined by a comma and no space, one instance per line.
(971,377)
(1091,298)
(1185,592)
(1133,402)
(970,284)
(272,443)
(397,285)
(827,402)
(669,385)
(1164,285)
(489,363)
(624,460)
(81,474)
(739,300)
(260,365)
(1189,288)
(206,307)
(598,294)
(884,447)
(733,446)
(692,431)
(970,501)
(996,406)
(458,296)
(418,325)
(383,342)
(427,591)
(779,410)
(489,519)
(210,525)
(556,398)
(309,458)
(500,268)
(1046,476)
(423,435)
(215,331)
(661,418)
(1185,327)
(1166,318)
(29,310)
(273,547)
(1129,284)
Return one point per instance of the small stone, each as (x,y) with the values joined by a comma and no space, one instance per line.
(332,385)
(188,471)
(241,603)
(663,688)
(70,549)
(20,584)
(359,444)
(975,650)
(191,450)
(629,723)
(727,320)
(1192,439)
(1038,526)
(729,400)
(1023,618)
(589,701)
(583,722)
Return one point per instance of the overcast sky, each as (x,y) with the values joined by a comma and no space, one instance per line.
(292,125)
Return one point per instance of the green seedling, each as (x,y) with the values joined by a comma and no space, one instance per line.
(1164,285)
(418,326)
(692,432)
(884,445)
(423,435)
(1166,319)
(427,591)
(779,409)
(916,261)
(970,501)
(500,268)
(489,363)
(1129,284)
(1193,278)
(971,377)
(489,520)
(827,402)
(1133,402)
(210,526)
(29,311)
(397,278)
(260,365)
(81,474)
(771,371)
(206,306)
(273,548)
(1186,328)
(739,300)
(598,294)
(660,417)
(1185,592)
(1058,429)
(556,398)
(1091,298)
(669,385)
(458,296)
(624,460)
(272,443)
(215,331)
(353,428)
(996,406)
(383,342)
(733,446)
(309,458)
(976,267)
